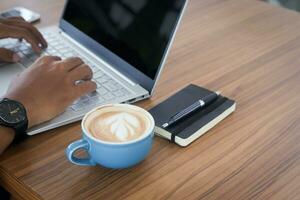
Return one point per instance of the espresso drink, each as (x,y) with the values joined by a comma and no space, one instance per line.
(117,124)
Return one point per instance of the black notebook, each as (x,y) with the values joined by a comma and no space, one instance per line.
(192,127)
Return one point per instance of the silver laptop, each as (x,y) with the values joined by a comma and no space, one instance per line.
(125,42)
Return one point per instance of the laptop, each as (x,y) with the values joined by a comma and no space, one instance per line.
(125,42)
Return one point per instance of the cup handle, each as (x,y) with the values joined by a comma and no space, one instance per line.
(79,144)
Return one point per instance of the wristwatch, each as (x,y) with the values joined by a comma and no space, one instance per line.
(13,115)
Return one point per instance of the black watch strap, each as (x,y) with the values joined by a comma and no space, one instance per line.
(21,129)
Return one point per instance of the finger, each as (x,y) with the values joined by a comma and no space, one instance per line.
(71,63)
(35,32)
(82,72)
(18,19)
(18,32)
(23,24)
(8,56)
(15,18)
(85,87)
(48,59)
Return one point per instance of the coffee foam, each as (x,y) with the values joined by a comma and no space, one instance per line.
(117,124)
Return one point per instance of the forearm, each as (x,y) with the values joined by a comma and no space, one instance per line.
(6,137)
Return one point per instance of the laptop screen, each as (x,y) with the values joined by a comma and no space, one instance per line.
(137,31)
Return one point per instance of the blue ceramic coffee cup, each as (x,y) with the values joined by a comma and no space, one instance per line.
(110,154)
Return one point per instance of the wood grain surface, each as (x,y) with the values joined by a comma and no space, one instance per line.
(247,49)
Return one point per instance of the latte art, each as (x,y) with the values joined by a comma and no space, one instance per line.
(117,125)
(123,125)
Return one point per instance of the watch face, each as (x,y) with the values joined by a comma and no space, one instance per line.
(11,112)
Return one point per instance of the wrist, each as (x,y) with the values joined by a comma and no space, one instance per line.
(7,131)
(7,136)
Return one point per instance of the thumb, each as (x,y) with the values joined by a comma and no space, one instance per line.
(7,55)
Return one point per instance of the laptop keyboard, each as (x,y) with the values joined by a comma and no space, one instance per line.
(108,89)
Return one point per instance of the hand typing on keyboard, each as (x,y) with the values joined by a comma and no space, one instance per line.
(17,28)
(50,85)
(26,53)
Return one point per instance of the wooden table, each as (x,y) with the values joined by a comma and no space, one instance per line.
(247,49)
